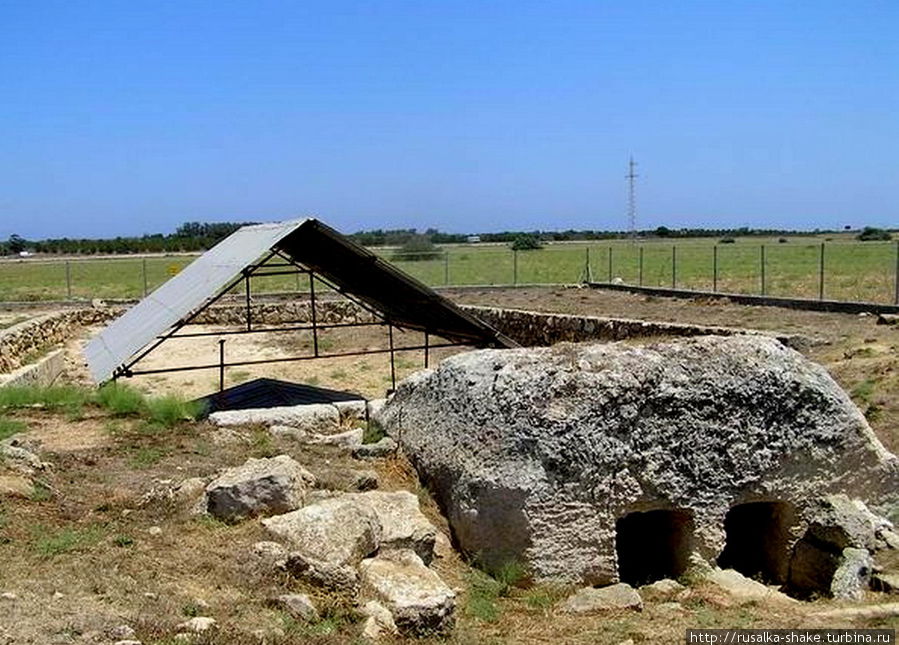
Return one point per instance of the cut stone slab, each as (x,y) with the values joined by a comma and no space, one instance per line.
(347,439)
(420,602)
(289,432)
(743,589)
(339,530)
(382,448)
(591,599)
(853,575)
(259,486)
(888,319)
(661,589)
(403,525)
(300,606)
(320,418)
(336,577)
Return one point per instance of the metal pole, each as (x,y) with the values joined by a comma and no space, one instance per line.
(762,266)
(514,266)
(426,349)
(144,271)
(446,268)
(610,264)
(821,273)
(896,297)
(392,362)
(588,270)
(641,266)
(221,364)
(246,278)
(674,266)
(715,268)
(313,314)
(68,280)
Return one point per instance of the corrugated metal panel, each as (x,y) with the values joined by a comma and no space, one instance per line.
(180,296)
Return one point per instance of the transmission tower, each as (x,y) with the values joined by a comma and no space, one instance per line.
(631,177)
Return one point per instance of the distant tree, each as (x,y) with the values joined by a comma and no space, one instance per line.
(417,247)
(782,240)
(871,234)
(16,244)
(663,231)
(727,240)
(526,242)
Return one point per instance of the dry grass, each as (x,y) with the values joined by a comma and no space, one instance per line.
(86,535)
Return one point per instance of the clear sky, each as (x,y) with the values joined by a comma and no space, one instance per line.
(126,117)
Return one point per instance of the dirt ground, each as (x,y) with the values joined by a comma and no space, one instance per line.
(80,555)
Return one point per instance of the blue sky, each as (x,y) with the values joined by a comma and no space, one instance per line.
(120,118)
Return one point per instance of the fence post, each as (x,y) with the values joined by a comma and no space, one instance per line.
(610,263)
(144,270)
(641,266)
(446,268)
(588,270)
(762,266)
(896,297)
(514,266)
(68,280)
(674,266)
(715,268)
(821,273)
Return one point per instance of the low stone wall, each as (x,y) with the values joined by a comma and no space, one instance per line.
(279,313)
(534,328)
(44,371)
(21,343)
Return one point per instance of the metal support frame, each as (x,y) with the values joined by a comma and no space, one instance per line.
(262,269)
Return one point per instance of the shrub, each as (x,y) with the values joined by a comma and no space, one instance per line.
(417,248)
(55,397)
(727,240)
(871,234)
(526,242)
(782,240)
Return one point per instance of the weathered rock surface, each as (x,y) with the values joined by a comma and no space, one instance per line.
(403,525)
(347,439)
(336,577)
(661,589)
(299,606)
(841,522)
(259,486)
(322,418)
(198,625)
(853,575)
(382,448)
(379,621)
(529,450)
(590,599)
(339,530)
(15,486)
(351,410)
(419,600)
(744,589)
(271,554)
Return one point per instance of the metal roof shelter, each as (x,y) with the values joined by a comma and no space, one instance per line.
(301,246)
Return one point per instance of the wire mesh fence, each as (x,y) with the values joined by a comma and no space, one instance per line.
(850,271)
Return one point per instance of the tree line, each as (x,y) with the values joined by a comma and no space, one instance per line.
(199,236)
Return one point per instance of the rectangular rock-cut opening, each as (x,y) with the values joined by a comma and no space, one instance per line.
(653,545)
(758,540)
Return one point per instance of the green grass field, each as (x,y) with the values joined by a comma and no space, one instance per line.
(852,270)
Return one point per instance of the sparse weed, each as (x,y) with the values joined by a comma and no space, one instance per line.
(120,400)
(9,427)
(373,433)
(123,541)
(864,390)
(483,594)
(41,493)
(48,544)
(57,397)
(171,410)
(146,456)
(261,444)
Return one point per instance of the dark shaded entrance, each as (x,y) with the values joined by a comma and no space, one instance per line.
(758,540)
(653,545)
